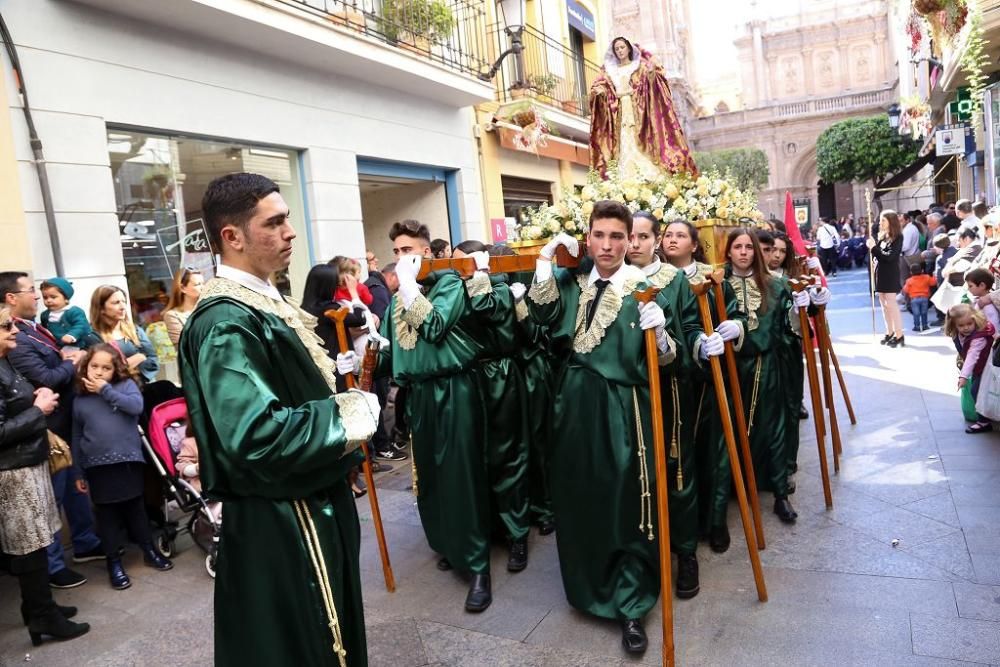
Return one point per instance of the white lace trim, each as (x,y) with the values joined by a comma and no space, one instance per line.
(406,321)
(749,299)
(587,339)
(478,285)
(544,292)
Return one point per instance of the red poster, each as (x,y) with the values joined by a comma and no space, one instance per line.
(499,228)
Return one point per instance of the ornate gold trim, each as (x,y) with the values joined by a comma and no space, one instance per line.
(405,322)
(478,285)
(748,297)
(545,292)
(357,418)
(701,273)
(418,311)
(587,339)
(298,320)
(521,310)
(664,276)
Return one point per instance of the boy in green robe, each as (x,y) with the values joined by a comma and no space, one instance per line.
(603,488)
(275,444)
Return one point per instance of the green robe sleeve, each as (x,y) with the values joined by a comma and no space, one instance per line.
(258,445)
(435,318)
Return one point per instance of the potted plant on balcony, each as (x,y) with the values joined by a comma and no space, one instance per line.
(544,84)
(346,13)
(417,22)
(572,105)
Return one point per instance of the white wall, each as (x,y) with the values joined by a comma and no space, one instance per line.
(425,202)
(86,69)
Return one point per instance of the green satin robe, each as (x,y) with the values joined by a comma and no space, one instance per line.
(505,403)
(760,363)
(433,351)
(608,562)
(793,381)
(269,435)
(535,361)
(680,397)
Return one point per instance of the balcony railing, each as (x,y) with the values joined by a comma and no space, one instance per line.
(452,33)
(546,70)
(873,99)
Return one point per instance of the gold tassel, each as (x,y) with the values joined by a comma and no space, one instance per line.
(413,466)
(753,397)
(315,551)
(680,477)
(675,444)
(645,497)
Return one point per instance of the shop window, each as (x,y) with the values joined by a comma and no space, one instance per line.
(523,193)
(159,181)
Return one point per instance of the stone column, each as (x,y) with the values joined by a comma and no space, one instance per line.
(759,69)
(808,70)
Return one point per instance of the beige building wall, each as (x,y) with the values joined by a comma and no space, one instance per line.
(15,254)
(383,206)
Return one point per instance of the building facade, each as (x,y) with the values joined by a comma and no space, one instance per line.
(363,118)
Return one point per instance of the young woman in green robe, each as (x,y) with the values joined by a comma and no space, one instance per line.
(679,402)
(682,250)
(604,486)
(771,315)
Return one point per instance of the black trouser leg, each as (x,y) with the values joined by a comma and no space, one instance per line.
(402,428)
(134,516)
(380,439)
(32,572)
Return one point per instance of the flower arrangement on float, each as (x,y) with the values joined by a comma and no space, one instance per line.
(710,196)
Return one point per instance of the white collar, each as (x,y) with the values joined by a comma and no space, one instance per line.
(691,269)
(618,278)
(778,272)
(248,280)
(654,268)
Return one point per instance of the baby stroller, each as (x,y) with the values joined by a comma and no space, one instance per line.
(162,429)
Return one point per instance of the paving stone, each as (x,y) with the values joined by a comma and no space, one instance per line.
(940,508)
(394,644)
(950,553)
(977,601)
(956,638)
(987,567)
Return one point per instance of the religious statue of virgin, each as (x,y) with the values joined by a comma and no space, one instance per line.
(632,117)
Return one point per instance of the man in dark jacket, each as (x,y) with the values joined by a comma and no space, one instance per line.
(381,296)
(385,448)
(38,358)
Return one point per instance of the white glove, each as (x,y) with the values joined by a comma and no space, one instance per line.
(801,299)
(814,263)
(407,268)
(651,316)
(482,259)
(820,296)
(729,330)
(711,346)
(517,290)
(348,363)
(373,405)
(562,239)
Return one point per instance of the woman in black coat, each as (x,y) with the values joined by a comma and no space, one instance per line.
(28,513)
(886,253)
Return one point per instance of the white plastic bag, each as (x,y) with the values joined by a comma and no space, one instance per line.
(988,402)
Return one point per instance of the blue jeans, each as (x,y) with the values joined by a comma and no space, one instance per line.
(81,521)
(918,308)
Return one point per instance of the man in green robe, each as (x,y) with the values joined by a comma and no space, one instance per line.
(604,486)
(275,444)
(432,353)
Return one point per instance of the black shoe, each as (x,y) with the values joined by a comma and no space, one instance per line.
(718,539)
(897,342)
(444,565)
(547,527)
(687,576)
(783,508)
(87,556)
(916,328)
(480,594)
(154,559)
(116,575)
(803,413)
(56,626)
(67,612)
(518,559)
(980,427)
(634,636)
(391,454)
(66,578)
(888,337)
(380,467)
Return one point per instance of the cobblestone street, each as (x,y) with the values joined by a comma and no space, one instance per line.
(842,590)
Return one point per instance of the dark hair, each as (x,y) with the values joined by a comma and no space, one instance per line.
(980,210)
(437,247)
(761,275)
(121,372)
(389,268)
(968,233)
(698,254)
(963,205)
(411,228)
(231,200)
(321,284)
(942,241)
(765,237)
(181,280)
(471,246)
(606,208)
(916,269)
(893,230)
(980,276)
(950,221)
(790,265)
(631,49)
(658,225)
(501,250)
(8,283)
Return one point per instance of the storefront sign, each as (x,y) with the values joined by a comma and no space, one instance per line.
(955,140)
(193,248)
(498,226)
(581,19)
(802,213)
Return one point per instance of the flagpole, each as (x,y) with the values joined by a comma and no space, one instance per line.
(871,259)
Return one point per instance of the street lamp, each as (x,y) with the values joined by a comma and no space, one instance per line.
(512,13)
(894,113)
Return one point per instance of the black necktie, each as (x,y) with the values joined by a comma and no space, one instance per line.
(592,307)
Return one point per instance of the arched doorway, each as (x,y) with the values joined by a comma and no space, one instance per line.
(826,195)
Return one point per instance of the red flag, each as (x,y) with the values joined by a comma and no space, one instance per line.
(792,227)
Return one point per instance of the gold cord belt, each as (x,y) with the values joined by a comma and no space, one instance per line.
(645,498)
(308,529)
(413,465)
(753,397)
(675,441)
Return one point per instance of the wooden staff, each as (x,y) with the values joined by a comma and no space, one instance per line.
(817,400)
(659,450)
(741,419)
(823,337)
(371,354)
(843,386)
(701,291)
(871,258)
(466,266)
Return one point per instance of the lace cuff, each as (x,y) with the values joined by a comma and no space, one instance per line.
(544,292)
(521,310)
(358,416)
(417,312)
(478,285)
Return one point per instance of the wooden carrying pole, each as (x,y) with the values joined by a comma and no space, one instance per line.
(383,549)
(659,450)
(823,336)
(466,266)
(741,419)
(701,291)
(817,399)
(843,386)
